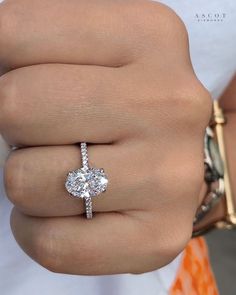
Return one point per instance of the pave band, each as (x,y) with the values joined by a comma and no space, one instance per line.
(86,182)
(85,164)
(84,155)
(88,207)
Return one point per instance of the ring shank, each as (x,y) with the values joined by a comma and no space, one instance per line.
(85,165)
(88,207)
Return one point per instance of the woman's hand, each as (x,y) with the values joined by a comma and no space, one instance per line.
(116,74)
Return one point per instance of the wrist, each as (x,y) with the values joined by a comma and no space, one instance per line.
(217,214)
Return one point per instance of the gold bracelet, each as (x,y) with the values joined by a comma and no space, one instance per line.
(219,121)
(217,178)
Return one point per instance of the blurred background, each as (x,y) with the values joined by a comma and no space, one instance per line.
(222,248)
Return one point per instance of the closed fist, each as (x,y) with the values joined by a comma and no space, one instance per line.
(115,74)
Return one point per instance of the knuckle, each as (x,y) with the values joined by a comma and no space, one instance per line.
(14,179)
(49,249)
(187,103)
(191,103)
(9,106)
(177,240)
(186,178)
(169,27)
(191,168)
(46,250)
(8,27)
(41,242)
(3,24)
(153,22)
(164,245)
(174,242)
(167,18)
(201,102)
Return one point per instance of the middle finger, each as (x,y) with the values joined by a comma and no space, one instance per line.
(63,104)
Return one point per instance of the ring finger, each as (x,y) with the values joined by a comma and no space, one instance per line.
(35,178)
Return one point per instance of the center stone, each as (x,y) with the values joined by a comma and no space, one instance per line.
(84,183)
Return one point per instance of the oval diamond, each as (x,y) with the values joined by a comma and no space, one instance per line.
(84,183)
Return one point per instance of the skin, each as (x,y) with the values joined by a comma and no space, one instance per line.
(116,74)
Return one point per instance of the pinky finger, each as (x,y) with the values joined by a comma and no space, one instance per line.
(110,243)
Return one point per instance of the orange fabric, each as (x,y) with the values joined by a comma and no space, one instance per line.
(195,276)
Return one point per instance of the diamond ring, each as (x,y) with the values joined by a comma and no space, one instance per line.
(86,182)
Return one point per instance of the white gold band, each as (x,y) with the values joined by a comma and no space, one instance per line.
(88,207)
(85,164)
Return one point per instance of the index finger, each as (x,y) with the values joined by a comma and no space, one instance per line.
(105,32)
(82,32)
